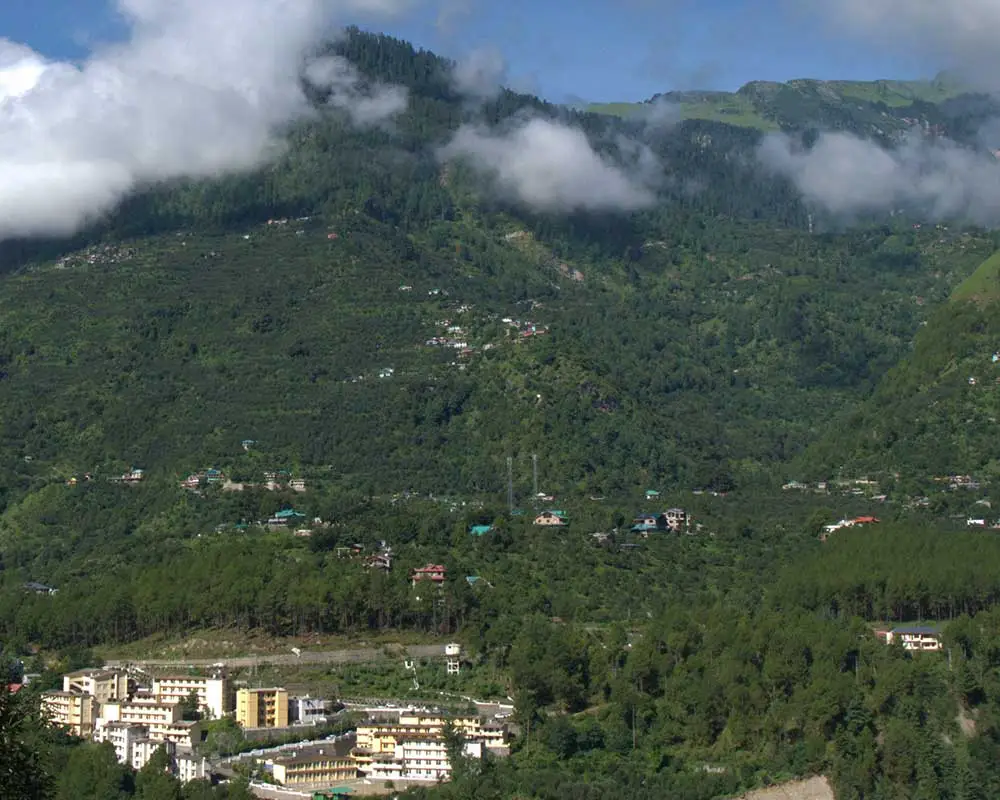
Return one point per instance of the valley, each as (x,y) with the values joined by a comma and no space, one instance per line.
(702,485)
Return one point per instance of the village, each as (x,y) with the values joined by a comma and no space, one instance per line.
(139,710)
(300,742)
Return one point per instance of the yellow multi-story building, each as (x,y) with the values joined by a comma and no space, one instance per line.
(262,708)
(318,765)
(74,711)
(414,747)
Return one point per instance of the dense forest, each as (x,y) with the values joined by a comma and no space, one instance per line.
(368,317)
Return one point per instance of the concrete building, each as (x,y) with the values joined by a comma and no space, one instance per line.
(453,652)
(326,764)
(308,710)
(105,685)
(919,638)
(134,746)
(71,710)
(262,708)
(212,692)
(413,747)
(123,737)
(163,720)
(143,750)
(189,767)
(419,759)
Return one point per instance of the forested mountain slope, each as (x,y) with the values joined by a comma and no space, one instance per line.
(707,338)
(368,315)
(936,413)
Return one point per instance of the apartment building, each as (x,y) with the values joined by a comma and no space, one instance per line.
(262,708)
(189,767)
(105,685)
(123,737)
(212,692)
(318,765)
(143,750)
(162,719)
(413,746)
(71,710)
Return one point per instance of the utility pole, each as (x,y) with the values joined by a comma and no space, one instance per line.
(534,473)
(510,484)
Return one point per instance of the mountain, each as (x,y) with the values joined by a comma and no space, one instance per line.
(694,344)
(883,109)
(424,338)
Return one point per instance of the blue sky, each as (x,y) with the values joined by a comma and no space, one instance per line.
(595,50)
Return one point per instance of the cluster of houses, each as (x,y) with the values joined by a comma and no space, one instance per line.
(955,482)
(133,476)
(98,254)
(109,705)
(399,745)
(274,480)
(855,487)
(673,519)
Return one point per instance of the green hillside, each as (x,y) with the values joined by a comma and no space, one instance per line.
(983,285)
(369,349)
(934,415)
(881,107)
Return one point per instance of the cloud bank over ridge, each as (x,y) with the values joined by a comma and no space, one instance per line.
(197,89)
(552,167)
(847,175)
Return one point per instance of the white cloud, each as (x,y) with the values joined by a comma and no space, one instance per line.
(660,113)
(550,166)
(197,89)
(366,105)
(480,73)
(847,175)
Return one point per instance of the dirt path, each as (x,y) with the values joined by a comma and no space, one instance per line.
(356,656)
(817,788)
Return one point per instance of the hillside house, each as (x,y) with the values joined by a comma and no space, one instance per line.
(551,519)
(916,638)
(134,476)
(381,560)
(676,518)
(434,573)
(652,494)
(286,516)
(480,530)
(39,588)
(646,523)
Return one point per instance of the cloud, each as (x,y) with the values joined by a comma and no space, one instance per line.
(481,73)
(195,90)
(962,33)
(366,104)
(552,167)
(847,175)
(659,113)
